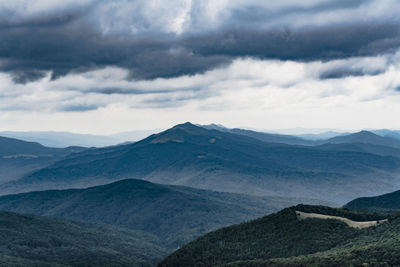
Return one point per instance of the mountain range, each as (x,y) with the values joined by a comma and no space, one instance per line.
(216,160)
(18,158)
(66,139)
(136,202)
(176,214)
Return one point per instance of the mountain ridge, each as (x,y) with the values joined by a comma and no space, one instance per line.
(174,213)
(209,159)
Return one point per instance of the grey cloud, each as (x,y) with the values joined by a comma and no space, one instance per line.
(337,73)
(27,75)
(330,42)
(254,14)
(70,41)
(79,108)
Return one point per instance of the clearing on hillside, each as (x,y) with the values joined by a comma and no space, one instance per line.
(304,215)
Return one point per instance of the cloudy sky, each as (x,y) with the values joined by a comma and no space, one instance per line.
(96,66)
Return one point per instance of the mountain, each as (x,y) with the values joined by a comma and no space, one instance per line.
(365,137)
(363,148)
(64,139)
(320,136)
(262,136)
(297,236)
(27,240)
(387,133)
(175,214)
(383,203)
(273,138)
(209,159)
(10,147)
(133,136)
(18,158)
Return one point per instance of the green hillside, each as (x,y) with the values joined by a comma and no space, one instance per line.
(284,238)
(176,214)
(27,240)
(378,246)
(383,203)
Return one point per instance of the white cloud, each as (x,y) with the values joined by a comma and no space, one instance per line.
(264,94)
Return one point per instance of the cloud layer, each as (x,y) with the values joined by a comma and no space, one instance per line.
(255,63)
(168,39)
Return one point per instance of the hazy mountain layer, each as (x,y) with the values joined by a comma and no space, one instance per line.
(209,159)
(18,158)
(176,214)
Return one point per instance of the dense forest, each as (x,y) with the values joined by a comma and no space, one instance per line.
(283,239)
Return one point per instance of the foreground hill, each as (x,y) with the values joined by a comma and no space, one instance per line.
(383,203)
(27,240)
(18,158)
(176,214)
(284,238)
(210,159)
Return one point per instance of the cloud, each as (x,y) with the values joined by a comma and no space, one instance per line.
(154,39)
(78,108)
(358,78)
(245,62)
(250,92)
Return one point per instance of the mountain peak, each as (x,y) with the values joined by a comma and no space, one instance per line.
(366,137)
(365,133)
(177,133)
(186,125)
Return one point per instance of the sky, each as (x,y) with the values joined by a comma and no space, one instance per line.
(94,66)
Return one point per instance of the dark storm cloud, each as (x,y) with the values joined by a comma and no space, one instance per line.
(68,48)
(67,42)
(337,73)
(79,108)
(256,14)
(323,43)
(137,91)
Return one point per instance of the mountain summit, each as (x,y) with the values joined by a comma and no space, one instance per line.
(366,137)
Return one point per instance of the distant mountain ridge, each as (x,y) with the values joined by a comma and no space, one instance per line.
(388,133)
(365,137)
(63,139)
(66,139)
(18,158)
(375,137)
(262,136)
(194,156)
